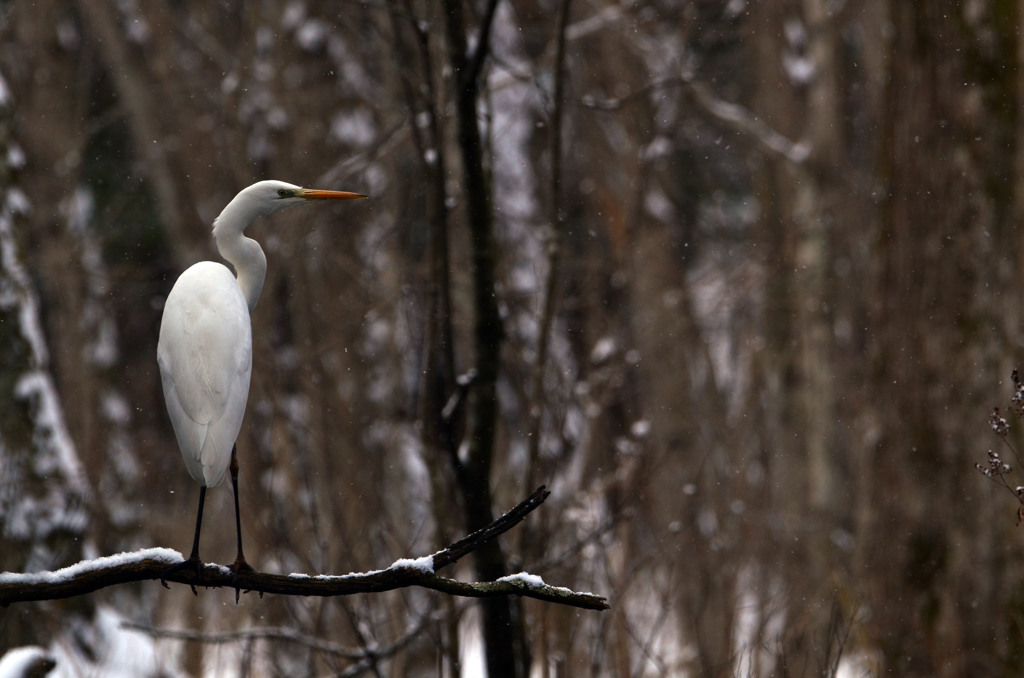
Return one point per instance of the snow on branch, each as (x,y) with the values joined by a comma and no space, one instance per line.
(155,564)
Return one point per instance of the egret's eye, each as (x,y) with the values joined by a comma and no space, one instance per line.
(283,192)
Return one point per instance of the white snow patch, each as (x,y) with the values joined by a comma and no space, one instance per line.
(524,278)
(332,577)
(312,35)
(603,349)
(735,8)
(115,408)
(424,564)
(532,581)
(5,94)
(640,428)
(759,616)
(228,85)
(106,648)
(799,69)
(658,205)
(514,103)
(609,16)
(294,14)
(15,156)
(138,31)
(17,201)
(652,616)
(353,128)
(168,556)
(50,433)
(28,305)
(859,664)
(17,663)
(54,453)
(102,349)
(471,645)
(796,34)
(660,147)
(78,209)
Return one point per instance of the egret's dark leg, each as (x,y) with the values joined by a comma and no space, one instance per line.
(192,562)
(194,556)
(239,565)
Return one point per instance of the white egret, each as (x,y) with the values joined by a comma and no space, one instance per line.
(205,346)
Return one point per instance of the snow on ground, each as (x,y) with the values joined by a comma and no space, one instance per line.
(24,661)
(109,650)
(471,646)
(98,647)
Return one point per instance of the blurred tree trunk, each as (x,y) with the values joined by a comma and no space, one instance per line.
(944,168)
(505,644)
(58,144)
(48,501)
(439,432)
(801,203)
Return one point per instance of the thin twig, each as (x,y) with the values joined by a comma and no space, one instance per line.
(557,220)
(281,634)
(468,544)
(288,635)
(476,61)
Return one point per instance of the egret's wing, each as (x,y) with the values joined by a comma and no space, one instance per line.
(190,434)
(205,357)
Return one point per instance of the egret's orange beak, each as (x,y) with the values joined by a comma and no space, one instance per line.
(317,194)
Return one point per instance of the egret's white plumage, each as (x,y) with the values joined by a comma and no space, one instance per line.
(205,346)
(205,356)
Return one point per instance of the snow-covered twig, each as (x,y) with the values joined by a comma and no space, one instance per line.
(154,563)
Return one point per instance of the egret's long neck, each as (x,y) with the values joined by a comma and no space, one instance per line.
(243,253)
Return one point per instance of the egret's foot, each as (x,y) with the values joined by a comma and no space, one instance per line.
(192,564)
(238,567)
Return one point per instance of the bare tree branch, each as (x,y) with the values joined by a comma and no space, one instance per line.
(476,61)
(289,635)
(279,634)
(557,227)
(506,649)
(744,121)
(739,118)
(154,563)
(364,658)
(468,544)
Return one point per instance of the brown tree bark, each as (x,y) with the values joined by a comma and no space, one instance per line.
(506,649)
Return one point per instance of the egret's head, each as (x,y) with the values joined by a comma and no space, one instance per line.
(268,197)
